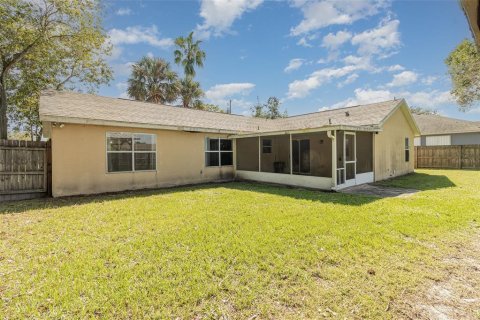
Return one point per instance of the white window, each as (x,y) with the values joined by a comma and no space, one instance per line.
(438,140)
(407,149)
(218,152)
(128,152)
(417,141)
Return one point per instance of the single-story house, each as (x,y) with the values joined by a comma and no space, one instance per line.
(102,144)
(436,130)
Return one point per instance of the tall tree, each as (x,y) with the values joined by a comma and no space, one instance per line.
(48,44)
(269,110)
(188,54)
(190,92)
(464,66)
(198,104)
(152,80)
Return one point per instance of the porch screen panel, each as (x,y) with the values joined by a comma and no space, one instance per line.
(312,154)
(247,154)
(364,152)
(275,155)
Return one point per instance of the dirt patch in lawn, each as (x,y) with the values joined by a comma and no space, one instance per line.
(379,191)
(454,295)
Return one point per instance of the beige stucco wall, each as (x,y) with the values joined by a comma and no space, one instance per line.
(79,161)
(390,147)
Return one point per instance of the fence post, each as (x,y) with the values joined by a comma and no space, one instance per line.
(460,156)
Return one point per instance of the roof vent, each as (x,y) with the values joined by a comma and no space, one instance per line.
(347,114)
(329,120)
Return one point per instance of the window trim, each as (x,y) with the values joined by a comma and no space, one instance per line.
(219,151)
(132,135)
(406,143)
(270,147)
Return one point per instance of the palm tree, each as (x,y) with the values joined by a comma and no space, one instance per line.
(189,54)
(153,81)
(190,92)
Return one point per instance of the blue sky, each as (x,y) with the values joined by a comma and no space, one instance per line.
(313,55)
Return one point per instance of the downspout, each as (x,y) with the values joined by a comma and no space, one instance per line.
(334,158)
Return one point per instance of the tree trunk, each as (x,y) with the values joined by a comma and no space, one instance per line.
(3,108)
(39,135)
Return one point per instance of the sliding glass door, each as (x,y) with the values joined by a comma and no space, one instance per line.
(301,156)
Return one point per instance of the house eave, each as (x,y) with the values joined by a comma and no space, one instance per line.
(99,122)
(307,130)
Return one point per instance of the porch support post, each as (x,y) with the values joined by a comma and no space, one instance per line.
(334,157)
(291,155)
(259,155)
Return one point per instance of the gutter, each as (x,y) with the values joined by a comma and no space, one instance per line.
(307,130)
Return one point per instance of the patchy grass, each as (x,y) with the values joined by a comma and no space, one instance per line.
(239,250)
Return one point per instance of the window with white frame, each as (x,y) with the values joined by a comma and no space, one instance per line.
(407,149)
(218,152)
(128,152)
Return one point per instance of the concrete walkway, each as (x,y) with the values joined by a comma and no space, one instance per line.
(379,191)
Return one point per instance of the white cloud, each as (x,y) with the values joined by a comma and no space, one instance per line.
(122,69)
(403,78)
(301,88)
(322,13)
(306,39)
(123,12)
(122,86)
(115,53)
(365,96)
(380,40)
(222,91)
(333,41)
(362,63)
(139,34)
(350,79)
(427,99)
(395,67)
(294,64)
(429,80)
(474,111)
(219,15)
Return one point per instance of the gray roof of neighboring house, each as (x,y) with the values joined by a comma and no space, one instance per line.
(434,125)
(71,107)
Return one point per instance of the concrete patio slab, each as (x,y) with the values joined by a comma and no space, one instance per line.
(379,191)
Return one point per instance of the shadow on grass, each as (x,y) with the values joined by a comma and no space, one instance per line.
(420,181)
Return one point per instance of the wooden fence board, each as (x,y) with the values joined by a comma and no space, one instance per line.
(448,157)
(23,169)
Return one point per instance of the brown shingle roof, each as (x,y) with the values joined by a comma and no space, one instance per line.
(67,106)
(434,124)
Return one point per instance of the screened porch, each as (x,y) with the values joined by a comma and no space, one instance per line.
(324,159)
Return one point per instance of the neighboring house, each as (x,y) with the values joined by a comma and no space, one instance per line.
(442,131)
(104,144)
(472,9)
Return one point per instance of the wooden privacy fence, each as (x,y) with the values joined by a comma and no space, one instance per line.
(448,157)
(24,169)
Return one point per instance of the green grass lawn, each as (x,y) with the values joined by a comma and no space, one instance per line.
(236,250)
